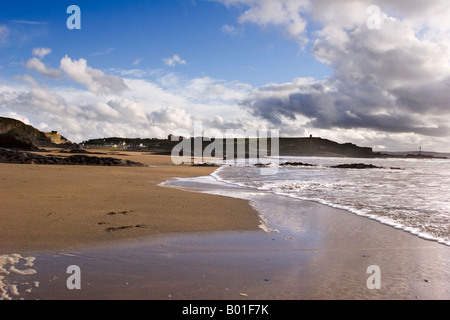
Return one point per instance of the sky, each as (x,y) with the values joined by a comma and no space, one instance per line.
(372,72)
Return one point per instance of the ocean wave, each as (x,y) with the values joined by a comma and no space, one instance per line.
(394,202)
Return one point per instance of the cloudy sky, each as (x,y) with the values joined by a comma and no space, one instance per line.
(372,72)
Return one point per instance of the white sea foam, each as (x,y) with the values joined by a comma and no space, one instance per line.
(9,267)
(25,272)
(408,199)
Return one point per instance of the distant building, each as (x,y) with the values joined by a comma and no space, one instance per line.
(171,137)
(55,137)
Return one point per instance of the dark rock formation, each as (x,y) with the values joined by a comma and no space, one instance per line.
(297,164)
(11,141)
(356,166)
(22,157)
(205,164)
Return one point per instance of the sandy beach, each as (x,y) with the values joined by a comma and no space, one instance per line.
(45,206)
(133,239)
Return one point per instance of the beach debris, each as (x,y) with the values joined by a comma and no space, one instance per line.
(243,294)
(365,255)
(426,280)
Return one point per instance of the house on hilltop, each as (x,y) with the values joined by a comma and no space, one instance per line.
(55,137)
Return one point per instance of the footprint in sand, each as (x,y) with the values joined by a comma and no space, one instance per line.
(117,228)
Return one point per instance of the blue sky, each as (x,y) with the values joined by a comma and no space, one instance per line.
(148,68)
(118,34)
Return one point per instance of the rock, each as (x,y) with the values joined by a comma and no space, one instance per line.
(261,165)
(205,164)
(22,157)
(356,166)
(297,164)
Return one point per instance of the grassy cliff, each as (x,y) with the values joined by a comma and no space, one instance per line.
(15,134)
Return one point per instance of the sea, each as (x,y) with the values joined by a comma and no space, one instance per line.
(408,194)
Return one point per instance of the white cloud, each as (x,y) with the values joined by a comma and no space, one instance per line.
(37,101)
(389,81)
(38,65)
(207,90)
(41,52)
(231,30)
(4,34)
(100,53)
(147,109)
(29,22)
(172,118)
(287,14)
(29,79)
(93,79)
(137,61)
(130,111)
(228,29)
(389,86)
(172,62)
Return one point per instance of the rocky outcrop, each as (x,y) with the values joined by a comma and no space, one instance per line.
(297,164)
(22,157)
(361,166)
(15,134)
(356,166)
(339,166)
(11,141)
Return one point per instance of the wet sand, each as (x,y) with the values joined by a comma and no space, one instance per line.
(198,246)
